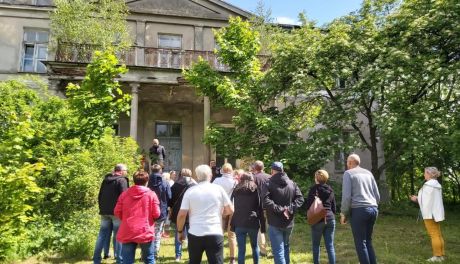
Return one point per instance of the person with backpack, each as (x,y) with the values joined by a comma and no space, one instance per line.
(182,183)
(326,226)
(163,192)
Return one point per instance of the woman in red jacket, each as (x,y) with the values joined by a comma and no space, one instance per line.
(137,208)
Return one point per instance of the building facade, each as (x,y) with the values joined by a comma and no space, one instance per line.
(169,36)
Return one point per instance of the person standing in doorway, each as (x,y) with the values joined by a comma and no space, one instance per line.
(157,153)
(360,199)
(113,185)
(282,199)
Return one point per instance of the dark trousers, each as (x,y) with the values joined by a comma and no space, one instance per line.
(213,245)
(362,225)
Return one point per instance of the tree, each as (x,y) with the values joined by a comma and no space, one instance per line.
(101,23)
(263,130)
(423,62)
(99,99)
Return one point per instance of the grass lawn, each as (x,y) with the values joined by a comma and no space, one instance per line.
(398,238)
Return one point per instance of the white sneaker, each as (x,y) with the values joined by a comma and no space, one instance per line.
(435,259)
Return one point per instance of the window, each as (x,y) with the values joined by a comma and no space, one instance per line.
(168,130)
(341,83)
(340,157)
(35,50)
(169,41)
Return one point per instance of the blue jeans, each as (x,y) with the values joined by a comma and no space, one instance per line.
(327,231)
(241,233)
(128,252)
(279,238)
(362,225)
(177,243)
(158,231)
(107,245)
(107,223)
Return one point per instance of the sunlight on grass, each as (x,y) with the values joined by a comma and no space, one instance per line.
(398,238)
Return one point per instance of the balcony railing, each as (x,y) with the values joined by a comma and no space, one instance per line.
(142,56)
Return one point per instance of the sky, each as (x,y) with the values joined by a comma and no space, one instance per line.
(286,11)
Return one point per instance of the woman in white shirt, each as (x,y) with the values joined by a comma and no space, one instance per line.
(429,199)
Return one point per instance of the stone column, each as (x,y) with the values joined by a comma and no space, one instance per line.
(134,110)
(140,43)
(207,118)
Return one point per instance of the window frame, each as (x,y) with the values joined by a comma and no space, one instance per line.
(170,47)
(36,44)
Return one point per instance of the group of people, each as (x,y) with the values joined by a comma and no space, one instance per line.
(241,203)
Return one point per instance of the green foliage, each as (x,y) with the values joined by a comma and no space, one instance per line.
(53,156)
(17,176)
(100,23)
(99,99)
(264,131)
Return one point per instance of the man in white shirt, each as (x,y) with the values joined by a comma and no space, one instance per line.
(205,204)
(228,183)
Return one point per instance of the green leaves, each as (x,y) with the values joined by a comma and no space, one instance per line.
(100,23)
(99,99)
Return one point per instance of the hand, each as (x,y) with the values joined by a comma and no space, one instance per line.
(413,198)
(343,219)
(181,237)
(286,213)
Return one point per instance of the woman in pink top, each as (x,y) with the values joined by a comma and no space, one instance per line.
(137,208)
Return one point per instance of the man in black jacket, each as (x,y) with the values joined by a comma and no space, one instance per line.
(112,186)
(163,192)
(281,201)
(157,154)
(261,179)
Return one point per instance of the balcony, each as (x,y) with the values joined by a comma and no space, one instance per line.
(142,56)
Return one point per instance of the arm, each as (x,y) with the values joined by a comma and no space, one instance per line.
(346,198)
(228,209)
(228,205)
(297,202)
(168,191)
(163,152)
(333,205)
(181,216)
(156,206)
(263,226)
(122,184)
(118,211)
(310,198)
(375,189)
(269,204)
(346,194)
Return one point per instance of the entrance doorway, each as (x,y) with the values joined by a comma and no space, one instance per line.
(170,136)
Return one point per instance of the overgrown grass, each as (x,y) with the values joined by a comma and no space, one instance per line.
(398,239)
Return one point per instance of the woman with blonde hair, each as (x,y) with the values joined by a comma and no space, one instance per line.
(324,227)
(429,199)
